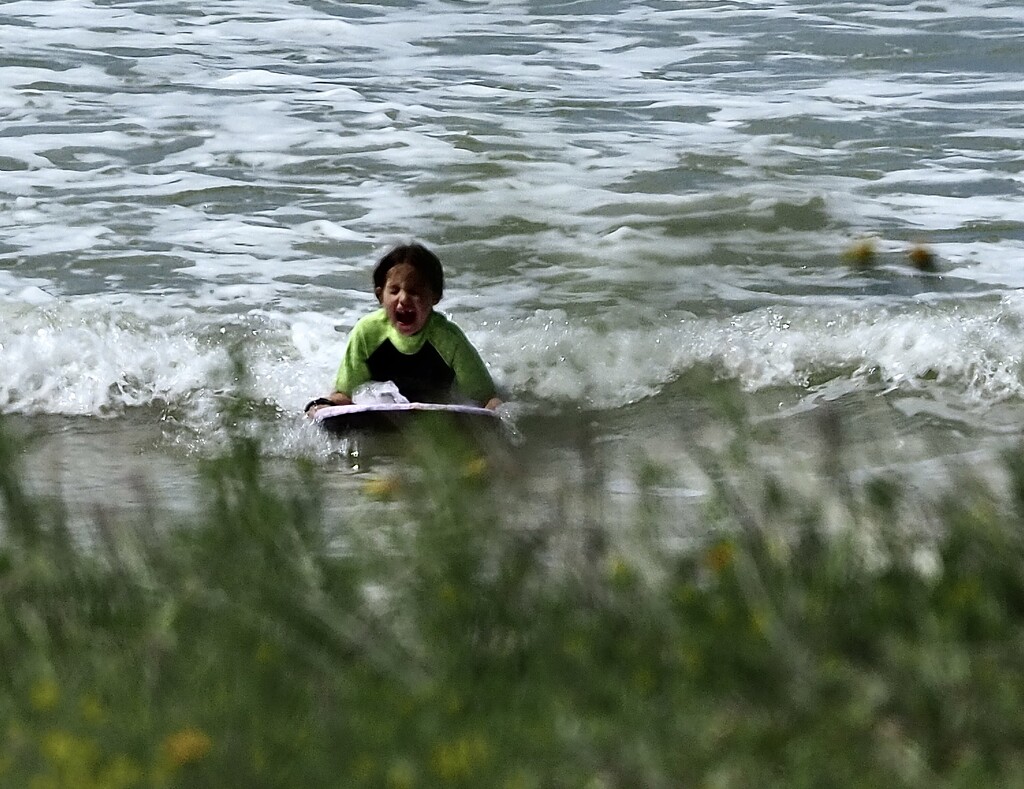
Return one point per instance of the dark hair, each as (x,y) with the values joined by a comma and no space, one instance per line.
(420,258)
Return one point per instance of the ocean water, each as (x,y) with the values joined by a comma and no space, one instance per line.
(645,209)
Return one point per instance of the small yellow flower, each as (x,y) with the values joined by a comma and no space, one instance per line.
(64,748)
(187,745)
(862,253)
(456,760)
(381,488)
(44,695)
(475,468)
(720,555)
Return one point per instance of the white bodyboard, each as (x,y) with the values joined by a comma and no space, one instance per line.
(393,416)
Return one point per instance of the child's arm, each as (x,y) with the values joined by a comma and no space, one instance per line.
(352,372)
(471,374)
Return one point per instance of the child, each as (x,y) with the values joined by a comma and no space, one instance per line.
(425,354)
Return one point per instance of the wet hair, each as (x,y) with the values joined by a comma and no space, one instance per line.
(420,258)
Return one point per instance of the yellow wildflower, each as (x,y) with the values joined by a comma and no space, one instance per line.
(862,253)
(476,467)
(720,555)
(382,488)
(187,745)
(456,760)
(69,753)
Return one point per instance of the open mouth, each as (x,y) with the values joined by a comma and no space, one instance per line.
(405,318)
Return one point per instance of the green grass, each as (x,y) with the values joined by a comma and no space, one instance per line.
(866,638)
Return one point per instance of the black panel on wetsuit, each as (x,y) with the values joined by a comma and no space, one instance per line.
(423,377)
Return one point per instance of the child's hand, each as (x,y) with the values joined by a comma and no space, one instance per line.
(336,398)
(315,405)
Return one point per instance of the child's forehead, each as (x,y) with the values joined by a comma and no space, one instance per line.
(406,273)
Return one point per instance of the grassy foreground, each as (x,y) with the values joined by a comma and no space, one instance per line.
(861,639)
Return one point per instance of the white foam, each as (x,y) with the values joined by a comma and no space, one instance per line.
(86,360)
(262,78)
(34,295)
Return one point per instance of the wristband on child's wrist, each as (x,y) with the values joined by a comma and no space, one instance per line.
(318,401)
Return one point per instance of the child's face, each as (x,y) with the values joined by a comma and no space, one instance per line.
(407,299)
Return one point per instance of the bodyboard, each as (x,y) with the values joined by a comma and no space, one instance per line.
(390,417)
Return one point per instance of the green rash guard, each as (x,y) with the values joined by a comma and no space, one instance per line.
(435,365)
